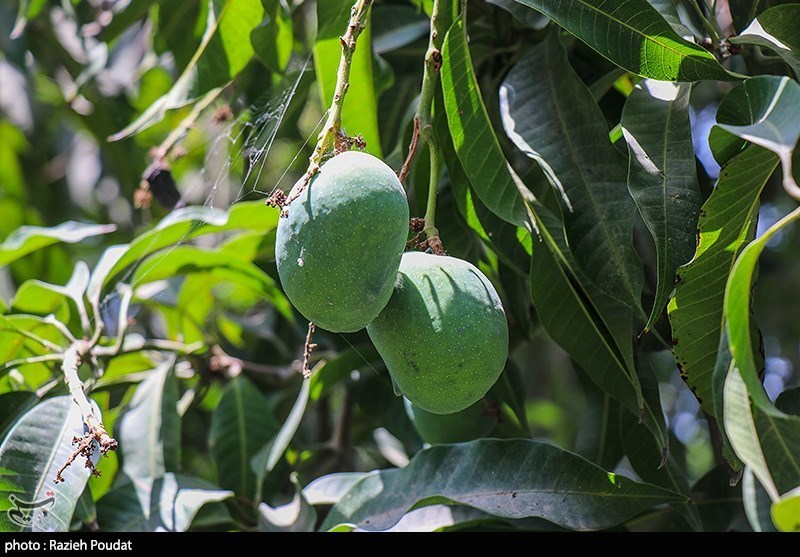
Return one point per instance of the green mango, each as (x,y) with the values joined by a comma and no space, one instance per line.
(443,335)
(473,422)
(339,247)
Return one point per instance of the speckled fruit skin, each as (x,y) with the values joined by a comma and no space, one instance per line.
(443,335)
(471,423)
(339,247)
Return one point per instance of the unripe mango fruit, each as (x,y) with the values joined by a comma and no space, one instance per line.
(443,335)
(339,247)
(471,423)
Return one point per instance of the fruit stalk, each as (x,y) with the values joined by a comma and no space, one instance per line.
(332,130)
(423,119)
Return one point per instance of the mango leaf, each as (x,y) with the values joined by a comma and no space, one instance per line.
(12,406)
(221,55)
(786,512)
(334,370)
(634,36)
(647,460)
(598,438)
(296,516)
(273,39)
(662,177)
(395,26)
(593,328)
(789,401)
(190,222)
(485,474)
(757,503)
(241,424)
(669,11)
(28,239)
(742,432)
(270,454)
(189,259)
(37,297)
(150,427)
(763,110)
(360,111)
(329,489)
(21,336)
(727,222)
(777,433)
(165,504)
(470,129)
(28,9)
(36,447)
(778,29)
(567,135)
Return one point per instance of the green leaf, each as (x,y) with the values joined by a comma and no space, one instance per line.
(273,39)
(150,427)
(786,512)
(486,474)
(634,36)
(594,329)
(221,55)
(647,459)
(168,503)
(741,428)
(189,259)
(28,239)
(360,111)
(85,510)
(329,489)
(395,26)
(662,177)
(789,401)
(727,222)
(763,110)
(471,131)
(30,455)
(270,454)
(669,11)
(777,433)
(37,297)
(598,439)
(295,516)
(241,424)
(21,336)
(28,9)
(190,222)
(757,503)
(778,29)
(567,135)
(12,406)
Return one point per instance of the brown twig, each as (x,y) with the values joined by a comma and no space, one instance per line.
(412,150)
(309,346)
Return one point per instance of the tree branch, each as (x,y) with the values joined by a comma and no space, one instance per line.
(331,133)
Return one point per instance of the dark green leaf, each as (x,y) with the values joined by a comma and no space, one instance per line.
(150,428)
(789,401)
(330,372)
(241,424)
(727,222)
(486,474)
(168,503)
(395,26)
(12,406)
(270,454)
(567,135)
(37,446)
(28,239)
(662,178)
(473,138)
(778,29)
(599,438)
(633,35)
